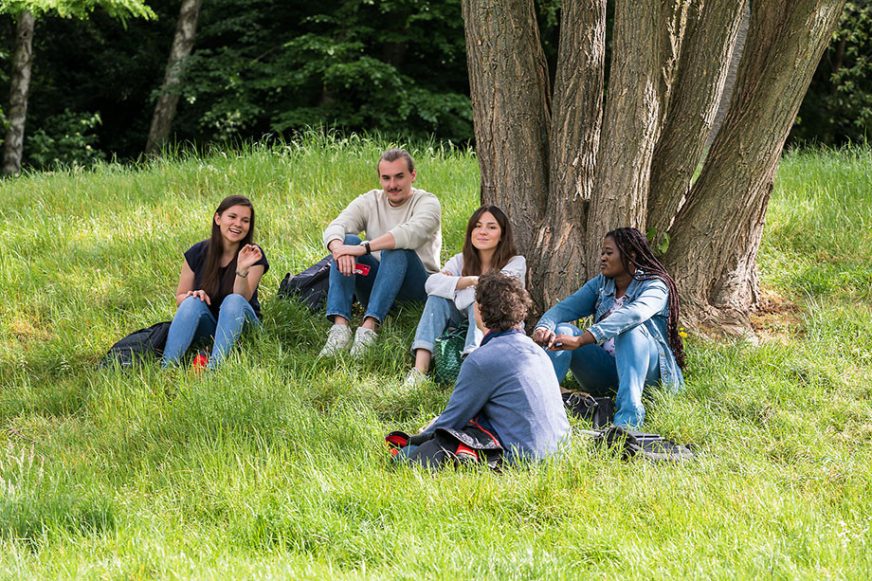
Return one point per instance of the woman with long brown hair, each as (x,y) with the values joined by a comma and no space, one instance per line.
(634,341)
(487,247)
(217,290)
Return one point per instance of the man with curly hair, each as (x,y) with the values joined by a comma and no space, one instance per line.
(508,384)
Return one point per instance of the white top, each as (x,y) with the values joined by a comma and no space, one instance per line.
(444,284)
(416,225)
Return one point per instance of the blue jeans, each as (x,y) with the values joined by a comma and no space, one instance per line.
(438,314)
(400,275)
(635,365)
(194,322)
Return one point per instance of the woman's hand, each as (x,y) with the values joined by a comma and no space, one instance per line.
(543,337)
(571,342)
(200,294)
(466,282)
(565,343)
(247,257)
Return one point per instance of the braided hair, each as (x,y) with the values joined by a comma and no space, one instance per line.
(634,249)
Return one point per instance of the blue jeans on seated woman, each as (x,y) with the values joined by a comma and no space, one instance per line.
(195,322)
(636,364)
(438,313)
(400,275)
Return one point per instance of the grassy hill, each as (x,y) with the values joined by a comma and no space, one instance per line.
(274,465)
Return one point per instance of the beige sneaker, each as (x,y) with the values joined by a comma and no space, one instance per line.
(415,378)
(338,339)
(363,338)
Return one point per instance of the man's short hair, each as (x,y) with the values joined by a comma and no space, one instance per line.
(395,154)
(502,301)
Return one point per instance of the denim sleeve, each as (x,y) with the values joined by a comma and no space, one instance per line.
(652,300)
(470,394)
(579,304)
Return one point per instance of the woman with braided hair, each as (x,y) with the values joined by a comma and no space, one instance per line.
(634,341)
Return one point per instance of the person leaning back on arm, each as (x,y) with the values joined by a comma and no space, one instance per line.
(403,228)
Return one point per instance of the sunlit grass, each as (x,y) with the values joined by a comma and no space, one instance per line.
(274,465)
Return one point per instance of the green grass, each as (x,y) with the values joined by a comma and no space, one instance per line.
(274,466)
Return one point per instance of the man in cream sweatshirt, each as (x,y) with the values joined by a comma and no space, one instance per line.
(403,228)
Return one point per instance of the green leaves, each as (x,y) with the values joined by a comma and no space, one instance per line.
(82,9)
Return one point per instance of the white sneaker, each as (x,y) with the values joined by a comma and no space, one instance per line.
(415,378)
(363,338)
(338,338)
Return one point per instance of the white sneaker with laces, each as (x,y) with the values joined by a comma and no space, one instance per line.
(338,339)
(415,378)
(363,338)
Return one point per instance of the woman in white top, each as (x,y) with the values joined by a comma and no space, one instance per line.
(451,293)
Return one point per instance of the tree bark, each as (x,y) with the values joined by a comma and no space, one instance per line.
(717,233)
(183,44)
(508,79)
(732,74)
(702,72)
(558,263)
(22,63)
(646,44)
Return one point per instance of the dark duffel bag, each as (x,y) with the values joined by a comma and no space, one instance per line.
(310,286)
(651,447)
(148,342)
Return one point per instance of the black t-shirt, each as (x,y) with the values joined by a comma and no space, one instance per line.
(196,259)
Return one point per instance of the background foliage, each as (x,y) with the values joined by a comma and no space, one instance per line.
(271,68)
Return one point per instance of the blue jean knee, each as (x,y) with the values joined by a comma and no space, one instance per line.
(438,313)
(193,321)
(234,313)
(401,276)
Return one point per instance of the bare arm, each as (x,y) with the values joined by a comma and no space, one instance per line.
(248,274)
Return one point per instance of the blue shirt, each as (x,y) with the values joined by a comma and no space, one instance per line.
(646,302)
(509,383)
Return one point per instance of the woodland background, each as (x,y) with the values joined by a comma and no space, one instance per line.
(267,69)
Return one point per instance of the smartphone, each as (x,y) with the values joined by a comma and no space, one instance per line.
(361,269)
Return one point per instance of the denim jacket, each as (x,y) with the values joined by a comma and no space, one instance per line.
(646,303)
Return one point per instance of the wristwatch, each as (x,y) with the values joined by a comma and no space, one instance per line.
(366,247)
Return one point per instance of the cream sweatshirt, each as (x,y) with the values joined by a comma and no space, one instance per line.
(416,225)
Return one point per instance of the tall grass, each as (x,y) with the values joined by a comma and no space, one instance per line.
(274,466)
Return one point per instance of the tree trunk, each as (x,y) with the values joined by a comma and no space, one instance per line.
(22,62)
(558,263)
(717,233)
(732,74)
(702,73)
(645,47)
(508,79)
(183,44)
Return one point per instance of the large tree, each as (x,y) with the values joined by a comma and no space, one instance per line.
(25,13)
(592,154)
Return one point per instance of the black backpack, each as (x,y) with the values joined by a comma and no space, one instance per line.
(310,286)
(599,410)
(652,447)
(148,342)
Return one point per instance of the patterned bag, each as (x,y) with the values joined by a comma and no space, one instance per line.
(446,355)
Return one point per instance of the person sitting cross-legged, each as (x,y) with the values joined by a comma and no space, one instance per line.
(403,227)
(507,385)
